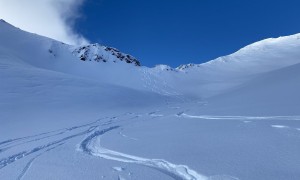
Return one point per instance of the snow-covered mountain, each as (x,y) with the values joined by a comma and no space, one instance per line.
(93,112)
(111,66)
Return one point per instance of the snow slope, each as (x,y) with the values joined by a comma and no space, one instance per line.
(221,74)
(92,112)
(274,93)
(109,65)
(36,85)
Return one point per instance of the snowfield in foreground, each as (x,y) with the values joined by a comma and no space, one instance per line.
(92,112)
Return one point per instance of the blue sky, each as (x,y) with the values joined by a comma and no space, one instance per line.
(177,32)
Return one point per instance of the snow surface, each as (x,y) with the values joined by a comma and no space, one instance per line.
(62,117)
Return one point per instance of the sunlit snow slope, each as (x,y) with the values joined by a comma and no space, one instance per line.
(93,112)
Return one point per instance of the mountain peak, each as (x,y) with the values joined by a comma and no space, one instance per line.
(99,53)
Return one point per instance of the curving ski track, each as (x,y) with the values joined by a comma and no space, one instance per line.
(91,145)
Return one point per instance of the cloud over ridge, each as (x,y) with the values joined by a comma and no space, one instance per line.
(50,18)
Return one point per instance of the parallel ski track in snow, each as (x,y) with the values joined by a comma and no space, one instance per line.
(92,130)
(62,136)
(90,145)
(28,165)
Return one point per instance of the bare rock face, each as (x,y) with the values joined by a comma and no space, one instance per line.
(99,53)
(185,66)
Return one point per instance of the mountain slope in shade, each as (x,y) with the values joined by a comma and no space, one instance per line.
(273,93)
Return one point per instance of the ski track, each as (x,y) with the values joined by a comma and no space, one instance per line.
(125,136)
(6,145)
(91,145)
(11,159)
(29,141)
(28,165)
(11,143)
(30,162)
(182,114)
(280,126)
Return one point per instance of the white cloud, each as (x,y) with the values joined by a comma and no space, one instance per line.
(51,18)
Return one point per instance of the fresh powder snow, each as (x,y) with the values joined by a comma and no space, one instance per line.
(94,112)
